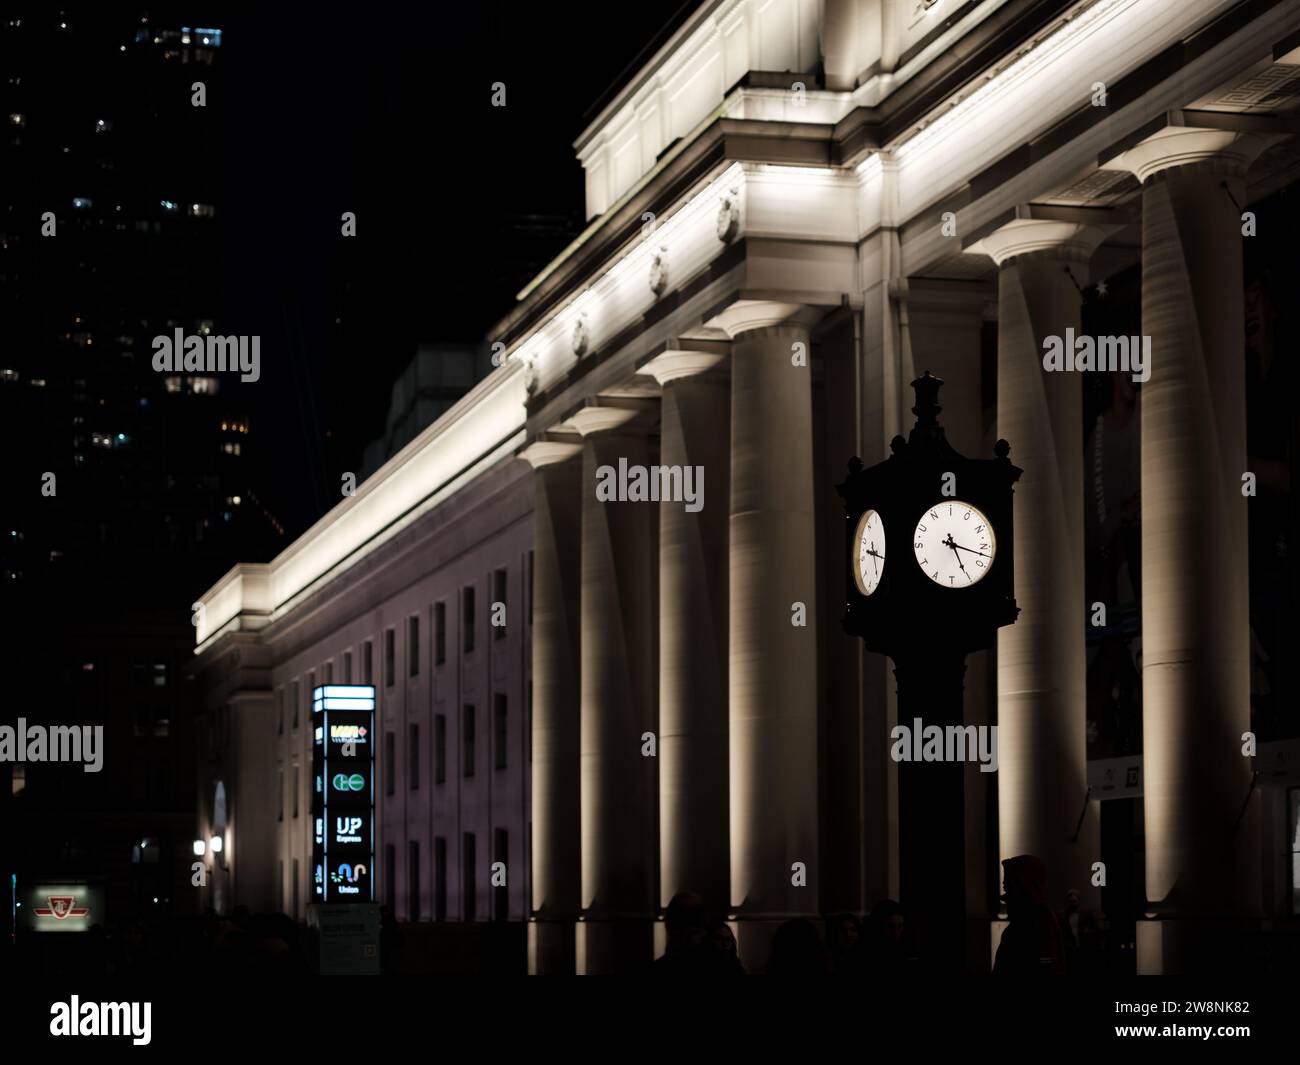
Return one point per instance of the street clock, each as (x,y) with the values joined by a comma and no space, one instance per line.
(929,580)
(930,563)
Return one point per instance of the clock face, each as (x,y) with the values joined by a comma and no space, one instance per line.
(869,552)
(954,544)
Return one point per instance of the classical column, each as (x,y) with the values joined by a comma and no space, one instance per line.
(1042,713)
(557,525)
(1202,852)
(695,435)
(943,323)
(773,637)
(618,697)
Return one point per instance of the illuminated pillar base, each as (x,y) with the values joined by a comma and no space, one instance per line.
(623,947)
(551,948)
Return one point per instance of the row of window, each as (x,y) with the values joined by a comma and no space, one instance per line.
(468,743)
(295,694)
(500,580)
(469,877)
(469,750)
(468,628)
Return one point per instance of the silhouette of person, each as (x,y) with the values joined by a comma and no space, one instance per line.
(1031,945)
(887,951)
(844,935)
(718,949)
(686,924)
(797,951)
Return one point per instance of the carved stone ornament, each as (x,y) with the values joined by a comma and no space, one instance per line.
(659,272)
(729,216)
(581,337)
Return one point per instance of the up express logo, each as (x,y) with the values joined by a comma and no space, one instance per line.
(347,830)
(349,782)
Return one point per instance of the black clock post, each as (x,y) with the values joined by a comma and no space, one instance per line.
(927,614)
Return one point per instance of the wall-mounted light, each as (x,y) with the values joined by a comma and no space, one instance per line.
(216,844)
(200,848)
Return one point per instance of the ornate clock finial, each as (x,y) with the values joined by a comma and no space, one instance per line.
(927,400)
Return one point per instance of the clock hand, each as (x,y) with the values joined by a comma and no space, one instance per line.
(959,547)
(950,543)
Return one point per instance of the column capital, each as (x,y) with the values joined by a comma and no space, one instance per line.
(1046,238)
(747,315)
(550,449)
(674,364)
(1223,152)
(602,415)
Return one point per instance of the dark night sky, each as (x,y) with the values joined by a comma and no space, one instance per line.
(387,113)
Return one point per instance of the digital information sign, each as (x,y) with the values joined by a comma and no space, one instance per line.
(343,797)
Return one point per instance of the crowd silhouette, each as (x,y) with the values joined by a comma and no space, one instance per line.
(1036,941)
(883,945)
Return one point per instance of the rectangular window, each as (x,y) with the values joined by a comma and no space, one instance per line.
(390,657)
(293,701)
(440,878)
(499,596)
(413,757)
(440,749)
(390,877)
(501,893)
(279,889)
(329,672)
(279,712)
(469,888)
(279,787)
(368,662)
(467,739)
(413,878)
(531,587)
(347,667)
(295,888)
(413,645)
(296,784)
(390,760)
(500,729)
(311,691)
(467,619)
(439,633)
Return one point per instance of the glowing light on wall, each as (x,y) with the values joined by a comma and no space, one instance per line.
(976,110)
